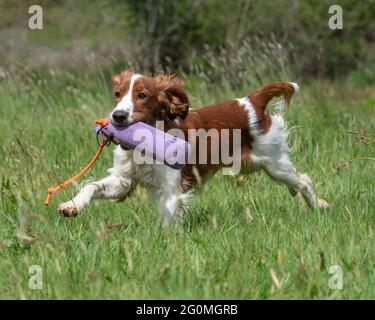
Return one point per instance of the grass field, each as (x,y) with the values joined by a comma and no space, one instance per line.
(242,238)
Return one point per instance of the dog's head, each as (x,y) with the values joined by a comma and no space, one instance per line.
(141,98)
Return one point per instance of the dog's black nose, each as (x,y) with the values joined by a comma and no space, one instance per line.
(120,116)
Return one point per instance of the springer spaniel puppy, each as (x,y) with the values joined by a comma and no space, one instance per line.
(162,98)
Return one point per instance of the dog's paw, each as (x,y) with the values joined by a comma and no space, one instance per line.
(323,204)
(68,209)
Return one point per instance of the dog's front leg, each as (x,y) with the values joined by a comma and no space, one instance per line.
(116,186)
(111,187)
(172,202)
(170,209)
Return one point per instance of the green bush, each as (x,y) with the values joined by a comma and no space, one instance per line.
(169,35)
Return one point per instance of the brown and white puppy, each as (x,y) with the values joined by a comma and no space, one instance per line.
(162,98)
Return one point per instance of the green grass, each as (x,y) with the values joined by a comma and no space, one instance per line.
(235,235)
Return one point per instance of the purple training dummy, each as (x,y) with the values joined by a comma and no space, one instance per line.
(166,148)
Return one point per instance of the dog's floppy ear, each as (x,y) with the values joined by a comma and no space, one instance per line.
(172,96)
(117,79)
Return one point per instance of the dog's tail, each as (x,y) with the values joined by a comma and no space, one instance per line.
(260,97)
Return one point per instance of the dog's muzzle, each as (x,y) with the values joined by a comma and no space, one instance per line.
(120,117)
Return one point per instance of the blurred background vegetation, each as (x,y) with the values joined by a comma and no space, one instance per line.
(217,40)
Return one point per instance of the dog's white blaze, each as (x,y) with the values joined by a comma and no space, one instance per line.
(126,103)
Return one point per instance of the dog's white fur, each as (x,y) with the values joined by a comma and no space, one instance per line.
(126,103)
(162,181)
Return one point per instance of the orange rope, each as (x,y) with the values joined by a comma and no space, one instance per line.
(102,122)
(52,191)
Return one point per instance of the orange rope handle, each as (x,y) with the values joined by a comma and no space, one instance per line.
(51,191)
(102,122)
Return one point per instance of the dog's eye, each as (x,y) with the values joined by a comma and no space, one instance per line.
(141,96)
(117,94)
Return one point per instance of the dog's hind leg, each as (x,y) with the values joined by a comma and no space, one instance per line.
(273,152)
(284,172)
